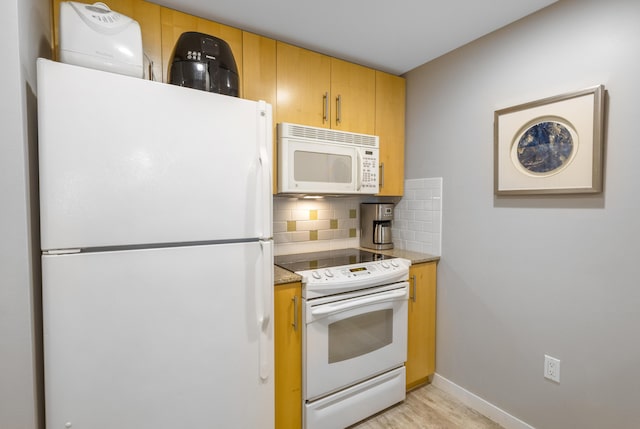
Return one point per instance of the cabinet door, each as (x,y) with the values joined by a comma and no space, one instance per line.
(288,355)
(390,116)
(421,344)
(259,68)
(353,97)
(304,80)
(259,79)
(175,23)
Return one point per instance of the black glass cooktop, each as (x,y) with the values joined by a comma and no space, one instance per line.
(328,258)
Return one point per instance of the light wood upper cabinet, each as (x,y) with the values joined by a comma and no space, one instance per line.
(353,97)
(146,14)
(303,85)
(259,67)
(288,355)
(390,118)
(421,343)
(174,23)
(259,80)
(321,91)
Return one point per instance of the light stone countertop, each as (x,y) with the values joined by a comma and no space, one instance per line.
(282,276)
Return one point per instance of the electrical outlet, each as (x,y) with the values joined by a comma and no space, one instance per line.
(552,368)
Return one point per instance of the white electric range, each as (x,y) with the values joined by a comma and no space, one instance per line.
(354,335)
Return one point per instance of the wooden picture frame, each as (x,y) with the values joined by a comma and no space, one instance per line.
(551,146)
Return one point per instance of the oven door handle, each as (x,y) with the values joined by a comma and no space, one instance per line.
(359,302)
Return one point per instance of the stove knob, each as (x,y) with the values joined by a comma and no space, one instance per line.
(394,263)
(384,265)
(316,275)
(328,273)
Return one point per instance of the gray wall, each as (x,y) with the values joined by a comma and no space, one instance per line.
(523,277)
(24,30)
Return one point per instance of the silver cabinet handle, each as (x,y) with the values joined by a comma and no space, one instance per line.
(338,109)
(295,313)
(414,289)
(381,168)
(325,107)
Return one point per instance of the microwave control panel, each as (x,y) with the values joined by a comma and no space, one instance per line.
(369,171)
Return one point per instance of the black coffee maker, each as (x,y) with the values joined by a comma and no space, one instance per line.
(204,62)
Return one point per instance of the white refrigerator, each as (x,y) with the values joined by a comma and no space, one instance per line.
(157,254)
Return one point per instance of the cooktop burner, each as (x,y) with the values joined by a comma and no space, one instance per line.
(329,258)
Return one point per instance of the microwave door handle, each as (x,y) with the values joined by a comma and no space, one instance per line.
(359,171)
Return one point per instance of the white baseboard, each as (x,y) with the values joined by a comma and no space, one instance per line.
(480,405)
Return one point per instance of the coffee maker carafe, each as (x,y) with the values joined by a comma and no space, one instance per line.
(375,225)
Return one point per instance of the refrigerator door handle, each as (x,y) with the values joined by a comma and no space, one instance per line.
(266,166)
(264,295)
(266,193)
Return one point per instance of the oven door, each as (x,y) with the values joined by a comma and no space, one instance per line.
(352,337)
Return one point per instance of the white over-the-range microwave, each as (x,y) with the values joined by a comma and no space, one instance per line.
(322,161)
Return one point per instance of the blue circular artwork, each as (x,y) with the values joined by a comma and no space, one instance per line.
(545,147)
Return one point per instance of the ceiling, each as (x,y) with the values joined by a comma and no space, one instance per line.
(391,35)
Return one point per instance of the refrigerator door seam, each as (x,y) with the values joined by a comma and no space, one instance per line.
(147,246)
(61,251)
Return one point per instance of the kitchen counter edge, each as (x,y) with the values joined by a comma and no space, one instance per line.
(282,276)
(414,257)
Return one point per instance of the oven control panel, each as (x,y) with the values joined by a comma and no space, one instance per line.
(344,278)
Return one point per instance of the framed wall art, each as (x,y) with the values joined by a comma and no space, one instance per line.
(551,146)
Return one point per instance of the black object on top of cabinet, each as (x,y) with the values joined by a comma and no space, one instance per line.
(204,62)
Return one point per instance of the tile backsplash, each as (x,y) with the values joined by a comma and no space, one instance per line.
(417,224)
(311,225)
(301,225)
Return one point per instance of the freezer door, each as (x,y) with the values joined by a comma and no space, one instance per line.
(163,338)
(126,161)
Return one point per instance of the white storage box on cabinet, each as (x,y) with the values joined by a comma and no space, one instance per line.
(94,36)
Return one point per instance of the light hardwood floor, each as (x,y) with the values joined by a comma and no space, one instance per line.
(428,407)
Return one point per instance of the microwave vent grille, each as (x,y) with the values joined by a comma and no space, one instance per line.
(301,131)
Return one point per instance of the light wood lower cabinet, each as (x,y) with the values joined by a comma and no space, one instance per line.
(288,355)
(421,345)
